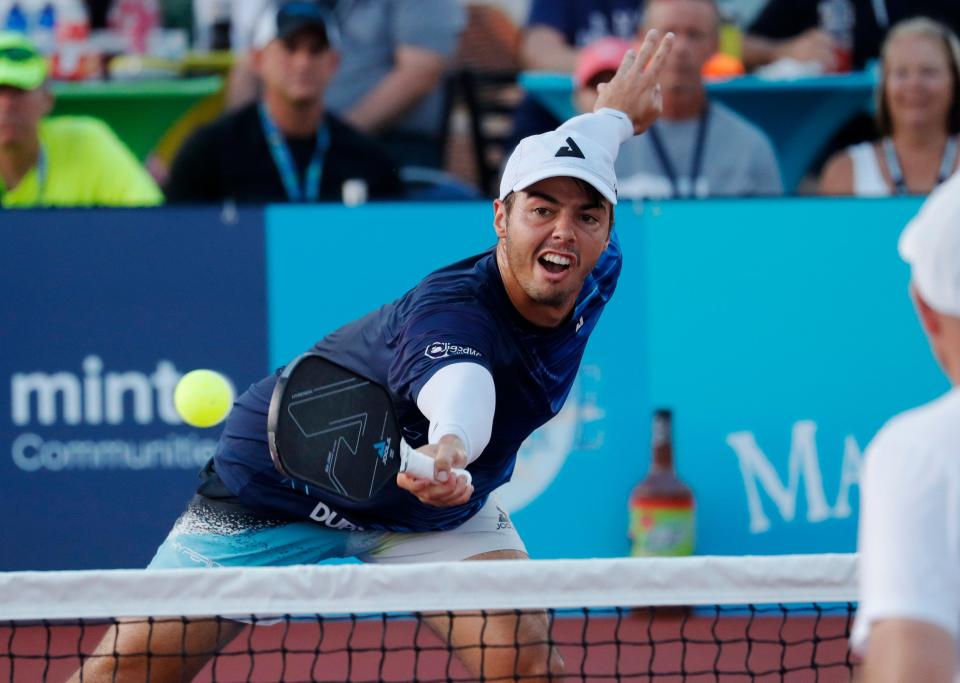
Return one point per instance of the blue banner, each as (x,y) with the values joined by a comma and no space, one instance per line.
(330,266)
(102,312)
(779,332)
(782,334)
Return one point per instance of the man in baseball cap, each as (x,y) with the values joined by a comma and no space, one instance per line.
(61,161)
(909,616)
(596,64)
(21,65)
(554,213)
(586,147)
(501,332)
(281,20)
(287,146)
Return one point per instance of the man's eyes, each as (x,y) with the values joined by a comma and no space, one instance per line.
(545,212)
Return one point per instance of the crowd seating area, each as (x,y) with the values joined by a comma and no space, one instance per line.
(468,78)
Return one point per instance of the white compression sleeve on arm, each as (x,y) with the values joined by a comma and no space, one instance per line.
(607,127)
(460,399)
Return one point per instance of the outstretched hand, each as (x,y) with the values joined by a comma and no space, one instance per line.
(452,490)
(635,88)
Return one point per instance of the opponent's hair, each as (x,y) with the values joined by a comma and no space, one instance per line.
(923,27)
(592,192)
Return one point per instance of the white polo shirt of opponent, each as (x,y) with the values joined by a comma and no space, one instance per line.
(909,539)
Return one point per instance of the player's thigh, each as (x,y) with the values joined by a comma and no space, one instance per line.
(488,531)
(157,650)
(211,534)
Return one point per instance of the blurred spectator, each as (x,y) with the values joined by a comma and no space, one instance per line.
(791,28)
(596,64)
(59,161)
(176,13)
(556,31)
(394,55)
(285,147)
(98,10)
(918,114)
(697,148)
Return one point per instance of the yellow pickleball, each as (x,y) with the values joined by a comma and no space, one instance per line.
(203,398)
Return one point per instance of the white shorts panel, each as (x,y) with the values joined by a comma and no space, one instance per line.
(488,530)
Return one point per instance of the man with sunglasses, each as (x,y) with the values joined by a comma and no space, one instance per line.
(61,161)
(286,146)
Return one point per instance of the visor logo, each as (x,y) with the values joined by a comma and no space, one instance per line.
(570,150)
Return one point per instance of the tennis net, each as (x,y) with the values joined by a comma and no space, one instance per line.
(782,618)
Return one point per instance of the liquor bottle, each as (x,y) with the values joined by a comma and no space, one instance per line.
(661,506)
(837,19)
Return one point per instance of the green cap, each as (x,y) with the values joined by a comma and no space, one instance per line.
(21,65)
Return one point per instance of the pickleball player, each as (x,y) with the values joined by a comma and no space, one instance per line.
(476,357)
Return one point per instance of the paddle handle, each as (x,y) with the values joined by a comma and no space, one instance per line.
(421,465)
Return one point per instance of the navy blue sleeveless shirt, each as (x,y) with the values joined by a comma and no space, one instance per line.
(460,313)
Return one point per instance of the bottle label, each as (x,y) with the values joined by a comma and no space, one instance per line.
(661,528)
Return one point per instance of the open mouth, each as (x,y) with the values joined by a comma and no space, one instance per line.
(555,263)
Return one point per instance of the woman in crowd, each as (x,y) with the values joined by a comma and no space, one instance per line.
(918,114)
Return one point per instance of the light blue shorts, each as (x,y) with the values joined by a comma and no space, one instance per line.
(212,535)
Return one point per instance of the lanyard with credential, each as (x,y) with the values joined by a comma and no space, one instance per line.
(896,173)
(696,164)
(41,174)
(310,192)
(41,177)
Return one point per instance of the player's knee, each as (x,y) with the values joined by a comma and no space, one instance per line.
(540,662)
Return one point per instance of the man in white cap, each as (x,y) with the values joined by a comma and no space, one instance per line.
(475,358)
(909,616)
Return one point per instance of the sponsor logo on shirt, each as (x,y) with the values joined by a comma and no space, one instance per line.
(503,520)
(438,350)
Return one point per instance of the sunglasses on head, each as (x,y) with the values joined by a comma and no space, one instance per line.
(17,54)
